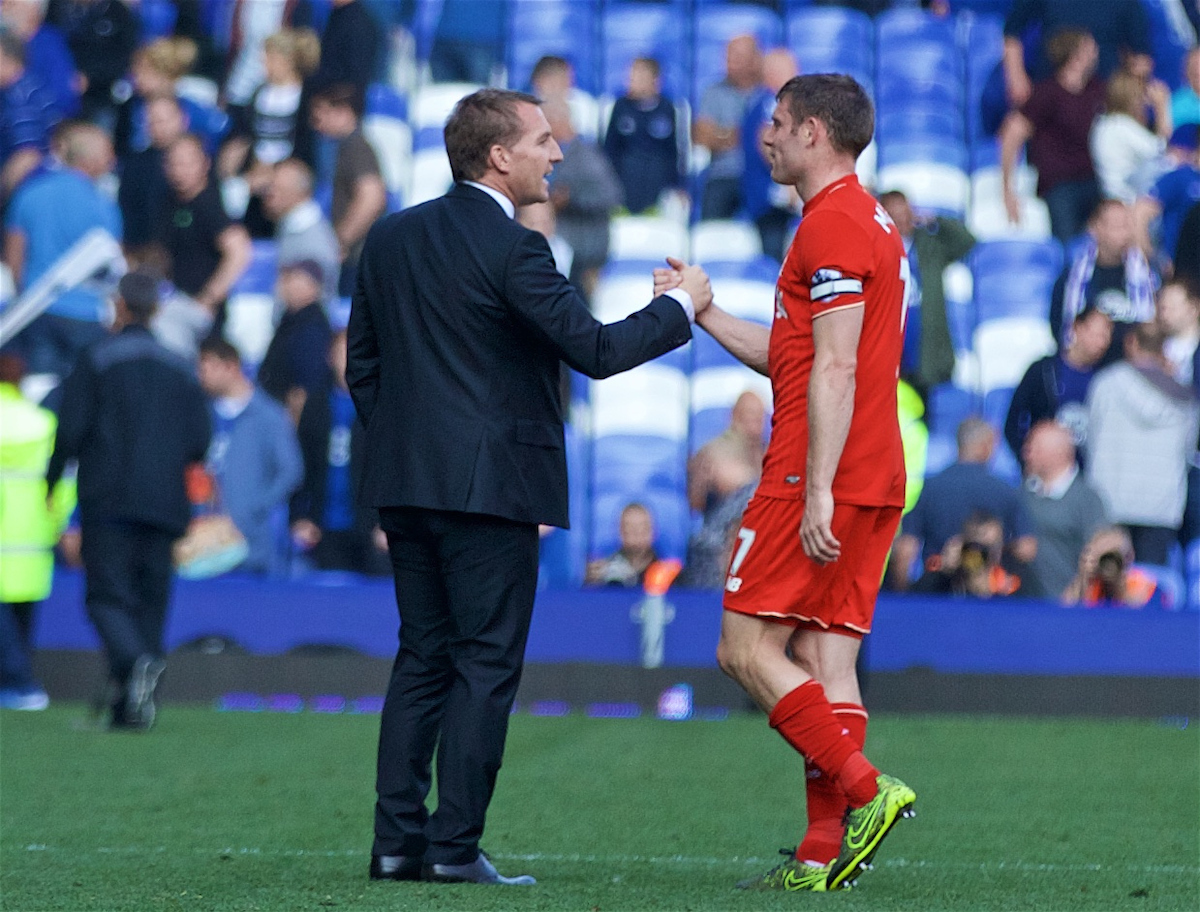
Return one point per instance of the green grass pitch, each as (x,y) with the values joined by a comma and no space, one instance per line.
(236,811)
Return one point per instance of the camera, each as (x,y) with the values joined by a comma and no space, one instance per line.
(1110,567)
(974,556)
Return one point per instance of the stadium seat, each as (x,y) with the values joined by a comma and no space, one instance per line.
(1170,40)
(929,186)
(959,287)
(725,240)
(157,18)
(392,140)
(750,299)
(760,269)
(259,276)
(433,102)
(1014,278)
(995,410)
(633,29)
(714,391)
(833,40)
(941,453)
(1172,590)
(1192,567)
(714,25)
(950,152)
(949,405)
(649,400)
(987,219)
(564,28)
(1007,346)
(564,551)
(643,237)
(385,101)
(984,49)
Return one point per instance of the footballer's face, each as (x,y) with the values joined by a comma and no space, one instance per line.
(784,143)
(529,161)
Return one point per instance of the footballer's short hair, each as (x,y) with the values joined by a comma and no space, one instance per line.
(838,101)
(483,119)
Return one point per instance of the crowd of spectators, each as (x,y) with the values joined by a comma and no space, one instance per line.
(190,146)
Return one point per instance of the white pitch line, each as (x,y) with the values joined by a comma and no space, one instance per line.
(681,860)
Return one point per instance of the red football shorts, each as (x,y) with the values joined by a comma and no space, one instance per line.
(771,577)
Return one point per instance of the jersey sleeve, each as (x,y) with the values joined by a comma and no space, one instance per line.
(836,257)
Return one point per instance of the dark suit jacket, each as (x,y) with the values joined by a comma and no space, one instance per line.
(456,331)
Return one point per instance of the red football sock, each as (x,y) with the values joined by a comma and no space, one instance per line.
(826,802)
(806,721)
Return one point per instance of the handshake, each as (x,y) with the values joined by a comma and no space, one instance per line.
(691,279)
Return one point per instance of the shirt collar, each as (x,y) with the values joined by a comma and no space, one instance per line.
(301,217)
(1057,489)
(505,203)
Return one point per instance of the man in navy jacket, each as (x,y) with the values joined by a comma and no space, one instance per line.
(457,329)
(134,416)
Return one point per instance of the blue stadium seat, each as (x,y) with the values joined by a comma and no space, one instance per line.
(714,26)
(260,275)
(950,152)
(1167,46)
(759,269)
(564,551)
(985,47)
(918,123)
(1192,566)
(644,468)
(158,19)
(948,406)
(564,28)
(833,40)
(632,29)
(995,410)
(385,101)
(917,58)
(1172,591)
(1014,278)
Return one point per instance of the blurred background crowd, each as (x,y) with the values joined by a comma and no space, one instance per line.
(1039,158)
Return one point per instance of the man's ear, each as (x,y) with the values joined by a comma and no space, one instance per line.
(500,159)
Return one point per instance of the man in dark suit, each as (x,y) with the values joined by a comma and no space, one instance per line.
(134,417)
(457,328)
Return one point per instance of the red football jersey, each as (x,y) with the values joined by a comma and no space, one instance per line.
(846,253)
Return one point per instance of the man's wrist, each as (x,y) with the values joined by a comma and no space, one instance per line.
(685,301)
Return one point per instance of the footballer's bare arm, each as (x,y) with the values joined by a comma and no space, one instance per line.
(744,339)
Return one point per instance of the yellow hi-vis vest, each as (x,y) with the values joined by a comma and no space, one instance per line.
(915,438)
(28,530)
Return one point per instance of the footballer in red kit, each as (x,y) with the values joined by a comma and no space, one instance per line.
(806,568)
(846,254)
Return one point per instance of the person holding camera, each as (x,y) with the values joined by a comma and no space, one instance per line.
(969,563)
(1107,577)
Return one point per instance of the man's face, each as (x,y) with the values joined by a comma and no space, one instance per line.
(1176,312)
(297,288)
(784,143)
(332,120)
(283,193)
(643,83)
(637,532)
(901,213)
(1113,230)
(743,63)
(186,166)
(532,158)
(214,376)
(1093,335)
(164,122)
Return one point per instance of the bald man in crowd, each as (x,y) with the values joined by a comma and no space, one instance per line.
(47,216)
(301,229)
(948,498)
(1065,510)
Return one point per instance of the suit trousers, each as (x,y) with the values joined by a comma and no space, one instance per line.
(465,586)
(128,570)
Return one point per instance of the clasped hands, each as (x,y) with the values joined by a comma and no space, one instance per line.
(692,279)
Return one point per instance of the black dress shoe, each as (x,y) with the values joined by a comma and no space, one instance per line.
(479,871)
(395,867)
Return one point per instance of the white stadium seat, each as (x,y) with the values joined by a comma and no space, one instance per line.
(640,237)
(725,240)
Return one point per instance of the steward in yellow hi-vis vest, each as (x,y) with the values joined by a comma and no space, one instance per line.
(28,528)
